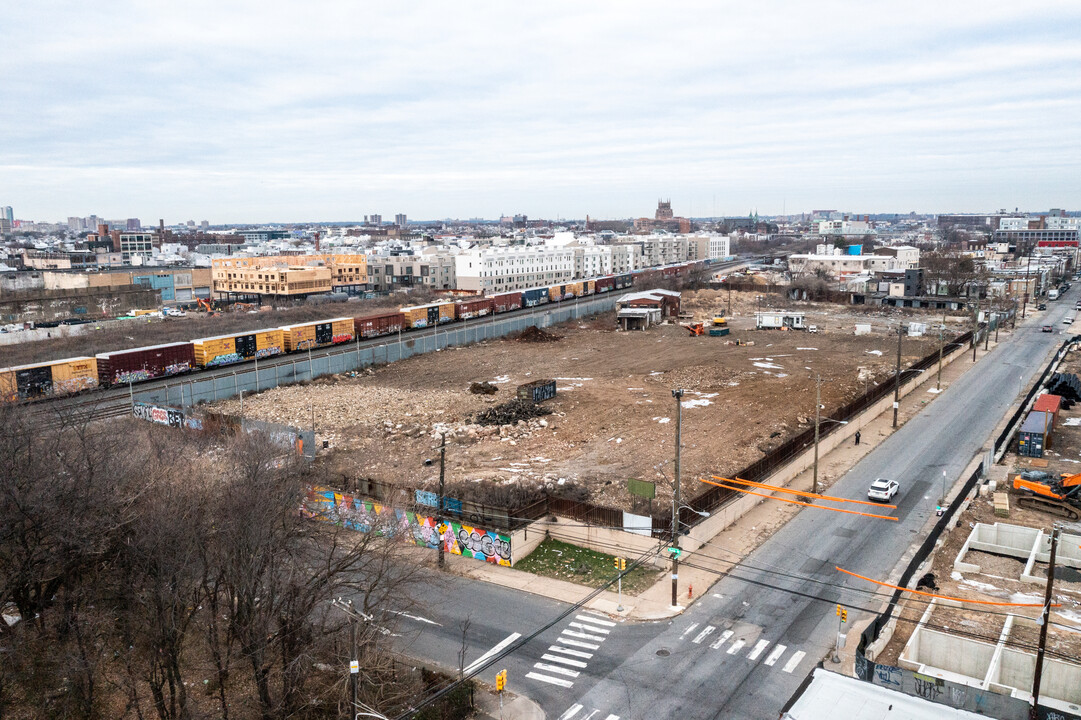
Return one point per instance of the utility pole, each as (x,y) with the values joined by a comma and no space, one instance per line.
(818,406)
(678,395)
(897,376)
(975,325)
(442,487)
(1045,619)
(354,663)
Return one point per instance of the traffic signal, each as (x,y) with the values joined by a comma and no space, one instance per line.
(501,680)
(621,564)
(842,613)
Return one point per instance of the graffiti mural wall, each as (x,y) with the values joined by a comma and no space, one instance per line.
(422,530)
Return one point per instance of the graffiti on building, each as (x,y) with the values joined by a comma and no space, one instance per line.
(165,416)
(427,498)
(888,675)
(422,530)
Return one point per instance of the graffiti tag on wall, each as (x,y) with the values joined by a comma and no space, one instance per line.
(165,416)
(421,530)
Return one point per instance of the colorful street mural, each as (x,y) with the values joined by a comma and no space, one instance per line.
(364,515)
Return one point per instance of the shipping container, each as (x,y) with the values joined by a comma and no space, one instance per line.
(1035,435)
(227,349)
(57,377)
(472,308)
(322,333)
(605,284)
(537,391)
(505,302)
(139,364)
(534,297)
(420,316)
(376,325)
(1050,404)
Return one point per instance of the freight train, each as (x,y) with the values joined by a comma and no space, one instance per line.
(124,367)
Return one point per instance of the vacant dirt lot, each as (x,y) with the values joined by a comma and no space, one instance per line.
(613,418)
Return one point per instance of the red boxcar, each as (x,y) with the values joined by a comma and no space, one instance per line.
(505,302)
(375,325)
(138,364)
(605,284)
(478,307)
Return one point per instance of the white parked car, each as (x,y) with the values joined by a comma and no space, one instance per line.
(812,328)
(883,490)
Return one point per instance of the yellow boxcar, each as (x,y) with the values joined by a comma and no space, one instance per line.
(419,316)
(58,377)
(589,287)
(226,349)
(555,293)
(317,334)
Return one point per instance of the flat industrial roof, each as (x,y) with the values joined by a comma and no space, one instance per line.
(831,696)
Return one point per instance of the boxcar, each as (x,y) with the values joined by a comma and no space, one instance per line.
(376,325)
(57,377)
(589,287)
(138,364)
(472,308)
(624,281)
(604,284)
(226,349)
(419,316)
(505,302)
(322,333)
(534,296)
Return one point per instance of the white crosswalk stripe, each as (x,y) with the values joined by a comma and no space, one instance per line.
(584,636)
(721,640)
(589,628)
(556,669)
(702,635)
(688,630)
(570,713)
(550,680)
(736,646)
(568,651)
(577,643)
(758,648)
(563,660)
(793,661)
(775,654)
(595,620)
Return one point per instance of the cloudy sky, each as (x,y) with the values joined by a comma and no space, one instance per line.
(292,111)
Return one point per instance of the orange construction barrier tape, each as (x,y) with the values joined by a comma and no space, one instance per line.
(803,493)
(943,597)
(795,502)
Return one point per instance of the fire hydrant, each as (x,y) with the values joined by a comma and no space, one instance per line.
(690,591)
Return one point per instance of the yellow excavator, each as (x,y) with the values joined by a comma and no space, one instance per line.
(720,321)
(1059,496)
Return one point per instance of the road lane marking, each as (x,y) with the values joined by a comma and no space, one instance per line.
(721,640)
(480,661)
(736,646)
(702,635)
(550,680)
(688,631)
(775,654)
(418,618)
(578,643)
(571,712)
(584,636)
(595,620)
(587,717)
(568,651)
(565,661)
(758,648)
(581,626)
(793,662)
(612,717)
(556,669)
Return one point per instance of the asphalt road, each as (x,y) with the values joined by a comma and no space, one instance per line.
(743,649)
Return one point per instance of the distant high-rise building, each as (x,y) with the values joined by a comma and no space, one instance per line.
(664,210)
(376,219)
(399,220)
(5,225)
(8,213)
(204,225)
(91,221)
(75,224)
(133,224)
(520,221)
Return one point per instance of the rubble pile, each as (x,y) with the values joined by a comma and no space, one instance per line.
(483,388)
(534,334)
(510,413)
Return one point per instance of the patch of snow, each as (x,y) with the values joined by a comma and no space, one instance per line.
(934,391)
(982,587)
(733,384)
(873,352)
(702,400)
(662,420)
(1072,421)
(956,576)
(769,365)
(781,375)
(500,380)
(806,348)
(657,372)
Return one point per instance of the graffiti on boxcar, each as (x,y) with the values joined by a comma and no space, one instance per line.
(422,530)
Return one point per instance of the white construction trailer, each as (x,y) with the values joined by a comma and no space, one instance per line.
(779,319)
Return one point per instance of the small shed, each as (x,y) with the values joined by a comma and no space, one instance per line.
(1049,404)
(666,300)
(1034,435)
(778,320)
(638,318)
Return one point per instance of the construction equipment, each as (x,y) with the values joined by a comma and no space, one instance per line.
(1041,491)
(720,321)
(695,329)
(206,306)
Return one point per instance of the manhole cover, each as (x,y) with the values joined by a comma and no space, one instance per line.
(663,652)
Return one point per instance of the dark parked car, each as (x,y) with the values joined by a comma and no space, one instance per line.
(1041,306)
(1047,328)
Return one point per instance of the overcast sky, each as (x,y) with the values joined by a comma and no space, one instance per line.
(307,110)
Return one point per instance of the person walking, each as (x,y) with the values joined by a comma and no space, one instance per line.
(857,437)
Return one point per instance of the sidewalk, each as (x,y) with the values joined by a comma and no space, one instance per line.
(735,542)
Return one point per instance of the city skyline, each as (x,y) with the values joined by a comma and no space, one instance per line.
(273,114)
